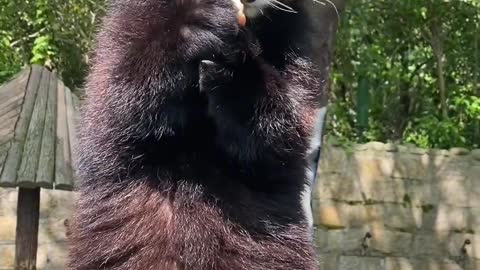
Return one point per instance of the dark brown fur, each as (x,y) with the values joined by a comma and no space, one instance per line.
(191,165)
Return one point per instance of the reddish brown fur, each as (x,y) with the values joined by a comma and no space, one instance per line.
(186,231)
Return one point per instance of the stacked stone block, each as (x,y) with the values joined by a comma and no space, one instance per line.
(382,206)
(376,207)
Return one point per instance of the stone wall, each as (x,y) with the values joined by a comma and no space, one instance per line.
(418,207)
(55,207)
(380,206)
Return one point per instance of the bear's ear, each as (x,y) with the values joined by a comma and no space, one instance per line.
(212,74)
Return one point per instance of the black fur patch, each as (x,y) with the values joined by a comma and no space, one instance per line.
(192,147)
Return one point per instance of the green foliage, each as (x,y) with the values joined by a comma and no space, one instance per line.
(54,33)
(430,130)
(404,50)
(403,71)
(9,62)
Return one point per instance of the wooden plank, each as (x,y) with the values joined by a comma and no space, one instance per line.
(3,154)
(13,110)
(5,132)
(71,121)
(14,107)
(62,153)
(26,240)
(12,104)
(46,166)
(72,134)
(31,150)
(7,125)
(5,138)
(9,173)
(76,105)
(6,103)
(29,102)
(15,86)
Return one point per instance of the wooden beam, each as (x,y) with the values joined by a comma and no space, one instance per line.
(63,174)
(3,154)
(10,91)
(28,213)
(14,156)
(33,140)
(46,165)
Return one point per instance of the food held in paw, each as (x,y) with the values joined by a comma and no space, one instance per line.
(242,20)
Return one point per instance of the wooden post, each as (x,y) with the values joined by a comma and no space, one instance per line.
(28,213)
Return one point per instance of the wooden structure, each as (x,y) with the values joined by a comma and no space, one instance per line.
(37,119)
